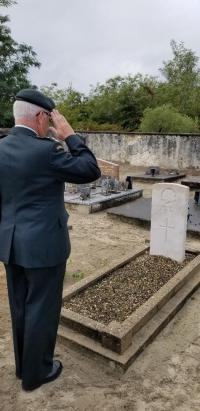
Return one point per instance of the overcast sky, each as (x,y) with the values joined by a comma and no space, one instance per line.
(82,42)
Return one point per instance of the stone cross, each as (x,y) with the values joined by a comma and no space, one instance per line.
(169,220)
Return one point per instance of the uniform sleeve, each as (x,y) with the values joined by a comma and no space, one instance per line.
(77,166)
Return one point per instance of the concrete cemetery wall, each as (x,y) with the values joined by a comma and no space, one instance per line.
(139,149)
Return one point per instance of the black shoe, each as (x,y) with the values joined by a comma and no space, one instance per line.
(56,371)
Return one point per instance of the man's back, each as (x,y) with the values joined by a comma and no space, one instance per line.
(33,216)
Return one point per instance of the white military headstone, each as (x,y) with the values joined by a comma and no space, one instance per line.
(169,220)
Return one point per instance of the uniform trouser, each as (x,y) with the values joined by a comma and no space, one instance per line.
(35,297)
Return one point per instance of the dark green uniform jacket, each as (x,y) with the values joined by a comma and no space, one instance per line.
(33,219)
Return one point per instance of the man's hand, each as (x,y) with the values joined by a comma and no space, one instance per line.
(62,128)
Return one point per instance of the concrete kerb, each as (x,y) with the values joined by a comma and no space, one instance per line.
(118,337)
(93,205)
(157,178)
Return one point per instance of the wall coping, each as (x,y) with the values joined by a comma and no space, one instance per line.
(134,133)
(137,133)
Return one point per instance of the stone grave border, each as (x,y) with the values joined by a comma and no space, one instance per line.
(122,342)
(111,200)
(158,178)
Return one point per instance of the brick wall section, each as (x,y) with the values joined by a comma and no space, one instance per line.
(108,169)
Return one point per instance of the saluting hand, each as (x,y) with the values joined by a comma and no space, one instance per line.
(62,128)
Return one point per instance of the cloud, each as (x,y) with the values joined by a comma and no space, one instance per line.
(84,42)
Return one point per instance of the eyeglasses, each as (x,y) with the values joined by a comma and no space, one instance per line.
(46,112)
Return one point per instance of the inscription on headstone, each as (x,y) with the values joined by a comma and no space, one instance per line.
(169,220)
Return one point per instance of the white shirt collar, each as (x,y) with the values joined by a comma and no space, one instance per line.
(29,128)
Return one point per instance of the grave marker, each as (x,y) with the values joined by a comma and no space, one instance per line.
(169,220)
(108,168)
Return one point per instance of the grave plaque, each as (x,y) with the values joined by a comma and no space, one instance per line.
(169,220)
(108,169)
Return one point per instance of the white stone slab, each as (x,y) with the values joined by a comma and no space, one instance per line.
(169,220)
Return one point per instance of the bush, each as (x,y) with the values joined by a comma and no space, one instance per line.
(165,119)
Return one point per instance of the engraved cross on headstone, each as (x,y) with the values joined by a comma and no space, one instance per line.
(166,227)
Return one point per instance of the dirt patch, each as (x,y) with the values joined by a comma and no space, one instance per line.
(117,296)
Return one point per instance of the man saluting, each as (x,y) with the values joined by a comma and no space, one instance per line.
(34,240)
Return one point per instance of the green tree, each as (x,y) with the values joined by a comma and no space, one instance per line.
(6,3)
(57,94)
(183,68)
(121,101)
(182,81)
(165,119)
(74,107)
(15,62)
(116,105)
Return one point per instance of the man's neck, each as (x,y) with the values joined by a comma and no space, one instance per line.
(26,124)
(29,128)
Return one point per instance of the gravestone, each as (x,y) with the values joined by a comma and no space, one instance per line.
(169,220)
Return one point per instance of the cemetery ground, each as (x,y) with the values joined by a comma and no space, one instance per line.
(165,377)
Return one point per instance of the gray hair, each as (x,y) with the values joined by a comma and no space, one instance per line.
(23,109)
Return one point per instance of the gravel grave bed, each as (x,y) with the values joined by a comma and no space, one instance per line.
(118,295)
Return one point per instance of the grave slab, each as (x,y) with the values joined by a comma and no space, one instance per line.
(157,178)
(140,210)
(192,182)
(99,201)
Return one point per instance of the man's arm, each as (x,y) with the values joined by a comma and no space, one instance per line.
(80,165)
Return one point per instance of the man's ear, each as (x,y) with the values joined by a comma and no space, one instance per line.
(40,116)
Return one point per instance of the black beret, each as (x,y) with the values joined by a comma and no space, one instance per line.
(35,97)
